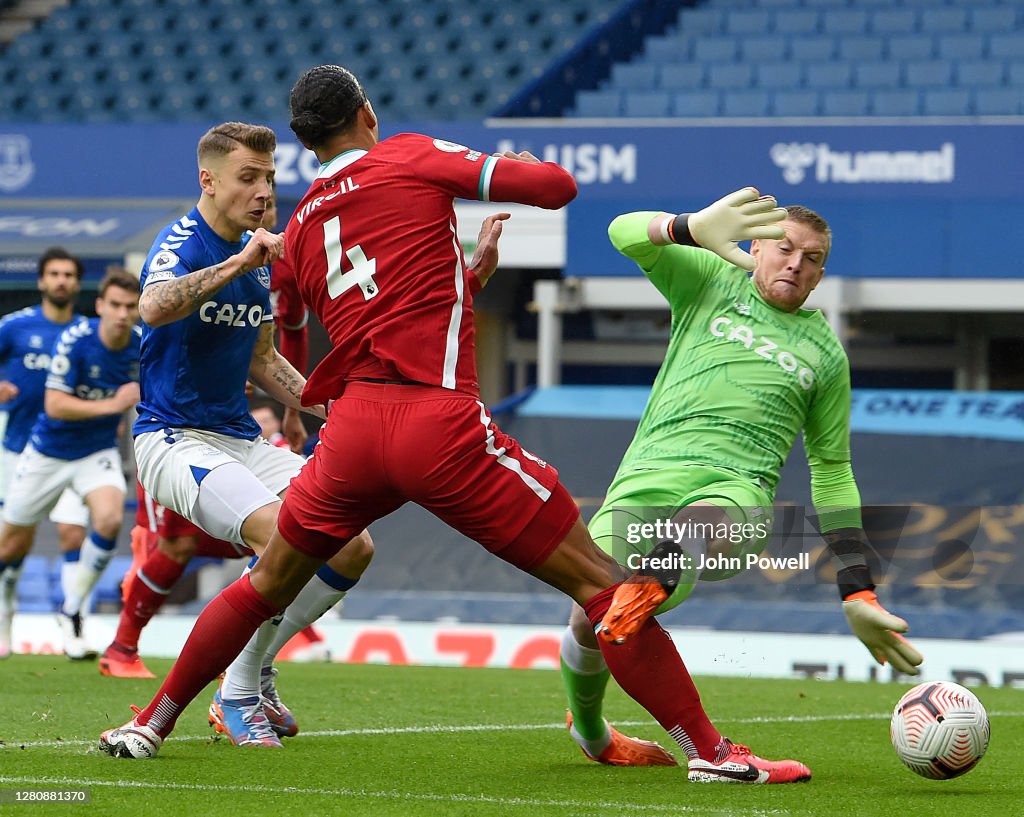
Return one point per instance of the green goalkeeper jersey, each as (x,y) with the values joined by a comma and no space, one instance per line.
(740,378)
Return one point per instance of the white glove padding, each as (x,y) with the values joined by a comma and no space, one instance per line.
(879,631)
(740,216)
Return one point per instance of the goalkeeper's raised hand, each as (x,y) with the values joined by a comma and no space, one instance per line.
(740,216)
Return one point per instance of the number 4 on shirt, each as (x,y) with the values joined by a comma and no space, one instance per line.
(362,271)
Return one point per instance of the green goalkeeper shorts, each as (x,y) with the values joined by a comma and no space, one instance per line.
(637,500)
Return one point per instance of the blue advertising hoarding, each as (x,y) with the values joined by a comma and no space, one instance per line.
(930,200)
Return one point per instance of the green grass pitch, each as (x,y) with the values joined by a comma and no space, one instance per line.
(415,741)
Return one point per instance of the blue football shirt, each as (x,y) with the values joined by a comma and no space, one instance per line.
(26,342)
(194,370)
(84,367)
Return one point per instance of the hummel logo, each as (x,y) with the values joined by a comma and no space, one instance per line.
(743,309)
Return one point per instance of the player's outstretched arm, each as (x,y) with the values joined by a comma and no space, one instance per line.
(878,629)
(740,216)
(525,179)
(168,301)
(63,406)
(276,376)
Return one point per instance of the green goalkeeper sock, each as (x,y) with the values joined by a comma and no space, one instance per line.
(585,676)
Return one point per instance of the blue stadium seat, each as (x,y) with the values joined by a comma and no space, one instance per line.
(812,47)
(793,22)
(761,48)
(828,75)
(911,47)
(979,73)
(701,21)
(961,46)
(877,75)
(1007,46)
(666,49)
(715,49)
(941,20)
(993,19)
(1015,73)
(895,103)
(634,75)
(945,102)
(647,103)
(742,22)
(999,102)
(845,103)
(929,74)
(696,104)
(598,104)
(729,75)
(778,76)
(746,103)
(889,21)
(796,103)
(856,48)
(681,76)
(845,22)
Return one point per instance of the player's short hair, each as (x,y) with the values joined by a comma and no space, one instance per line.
(118,277)
(805,215)
(60,254)
(324,102)
(220,140)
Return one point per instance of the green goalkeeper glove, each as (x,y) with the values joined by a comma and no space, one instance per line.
(879,631)
(740,216)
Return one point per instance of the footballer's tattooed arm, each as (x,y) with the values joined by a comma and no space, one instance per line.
(164,302)
(272,372)
(169,301)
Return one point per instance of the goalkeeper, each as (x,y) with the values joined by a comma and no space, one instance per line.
(747,368)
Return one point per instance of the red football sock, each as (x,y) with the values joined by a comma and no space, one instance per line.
(146,595)
(649,669)
(220,632)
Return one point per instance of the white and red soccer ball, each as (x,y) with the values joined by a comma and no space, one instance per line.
(940,730)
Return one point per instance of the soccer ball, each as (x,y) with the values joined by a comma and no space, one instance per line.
(940,730)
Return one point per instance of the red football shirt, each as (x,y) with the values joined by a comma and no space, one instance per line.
(377,257)
(290,315)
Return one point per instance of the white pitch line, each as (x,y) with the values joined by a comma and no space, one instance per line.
(493,727)
(481,799)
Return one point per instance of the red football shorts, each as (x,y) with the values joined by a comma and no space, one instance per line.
(169,525)
(385,445)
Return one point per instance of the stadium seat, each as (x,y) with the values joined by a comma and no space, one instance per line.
(647,103)
(666,49)
(961,46)
(877,75)
(999,102)
(889,21)
(929,74)
(993,19)
(1015,73)
(598,104)
(812,47)
(634,75)
(828,75)
(796,103)
(845,103)
(1006,46)
(857,48)
(701,21)
(942,102)
(696,104)
(758,48)
(941,20)
(895,103)
(680,76)
(911,47)
(746,103)
(715,49)
(727,76)
(794,22)
(844,22)
(979,73)
(777,76)
(742,22)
